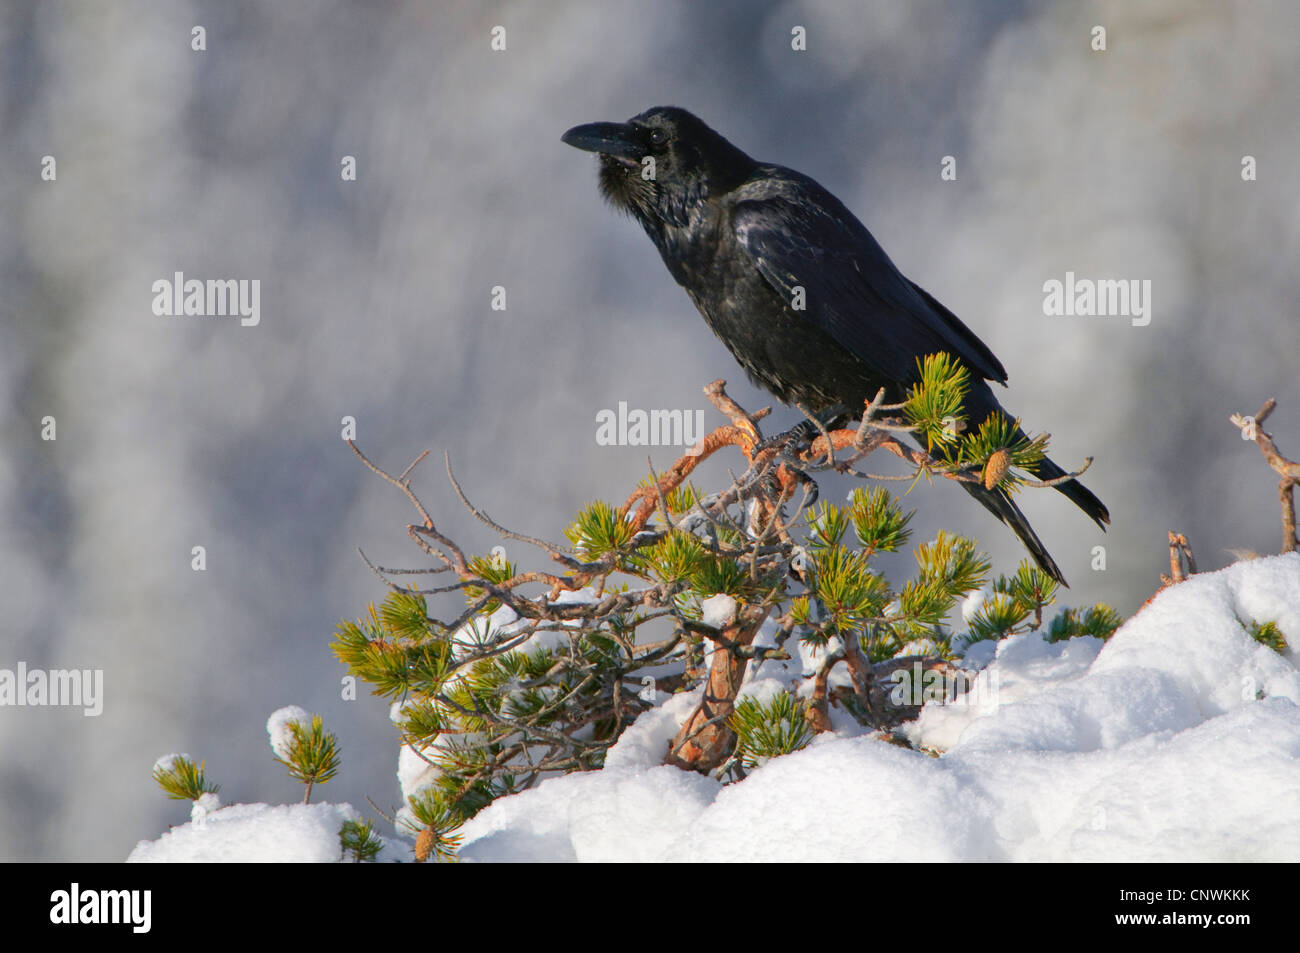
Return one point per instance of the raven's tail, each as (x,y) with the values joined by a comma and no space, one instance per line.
(1000,504)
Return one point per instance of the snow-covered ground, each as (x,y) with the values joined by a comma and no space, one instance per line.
(278,833)
(1179,739)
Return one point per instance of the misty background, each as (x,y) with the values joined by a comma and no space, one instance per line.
(175,432)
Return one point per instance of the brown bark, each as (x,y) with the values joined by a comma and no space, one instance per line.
(648,496)
(706,740)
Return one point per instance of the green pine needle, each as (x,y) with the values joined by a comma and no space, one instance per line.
(1030,587)
(999,432)
(313,755)
(997,618)
(850,594)
(676,558)
(359,842)
(766,730)
(950,567)
(490,569)
(681,498)
(1267,633)
(433,811)
(599,531)
(935,406)
(722,575)
(423,722)
(183,780)
(827,526)
(404,615)
(1100,621)
(878,520)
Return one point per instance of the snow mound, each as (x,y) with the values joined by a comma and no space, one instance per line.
(261,833)
(1177,740)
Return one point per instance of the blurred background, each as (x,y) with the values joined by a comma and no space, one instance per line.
(176,432)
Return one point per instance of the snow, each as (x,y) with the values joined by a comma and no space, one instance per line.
(1177,740)
(168,761)
(845,799)
(277,728)
(264,833)
(972,604)
(643,745)
(616,814)
(718,611)
(204,806)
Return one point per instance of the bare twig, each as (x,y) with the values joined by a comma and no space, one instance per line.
(821,428)
(716,392)
(1287,470)
(1057,481)
(400,482)
(1181,561)
(645,497)
(550,548)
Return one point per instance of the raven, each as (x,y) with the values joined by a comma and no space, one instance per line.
(745,237)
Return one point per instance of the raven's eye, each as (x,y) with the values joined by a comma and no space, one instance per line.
(658,137)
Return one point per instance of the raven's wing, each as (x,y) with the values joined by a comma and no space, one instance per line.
(799,235)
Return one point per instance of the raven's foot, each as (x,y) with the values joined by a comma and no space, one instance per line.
(787,473)
(786,442)
(806,431)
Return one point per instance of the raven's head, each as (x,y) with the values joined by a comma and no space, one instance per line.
(659,164)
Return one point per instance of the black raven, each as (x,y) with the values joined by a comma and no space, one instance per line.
(744,238)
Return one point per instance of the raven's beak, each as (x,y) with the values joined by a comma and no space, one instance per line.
(608,138)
